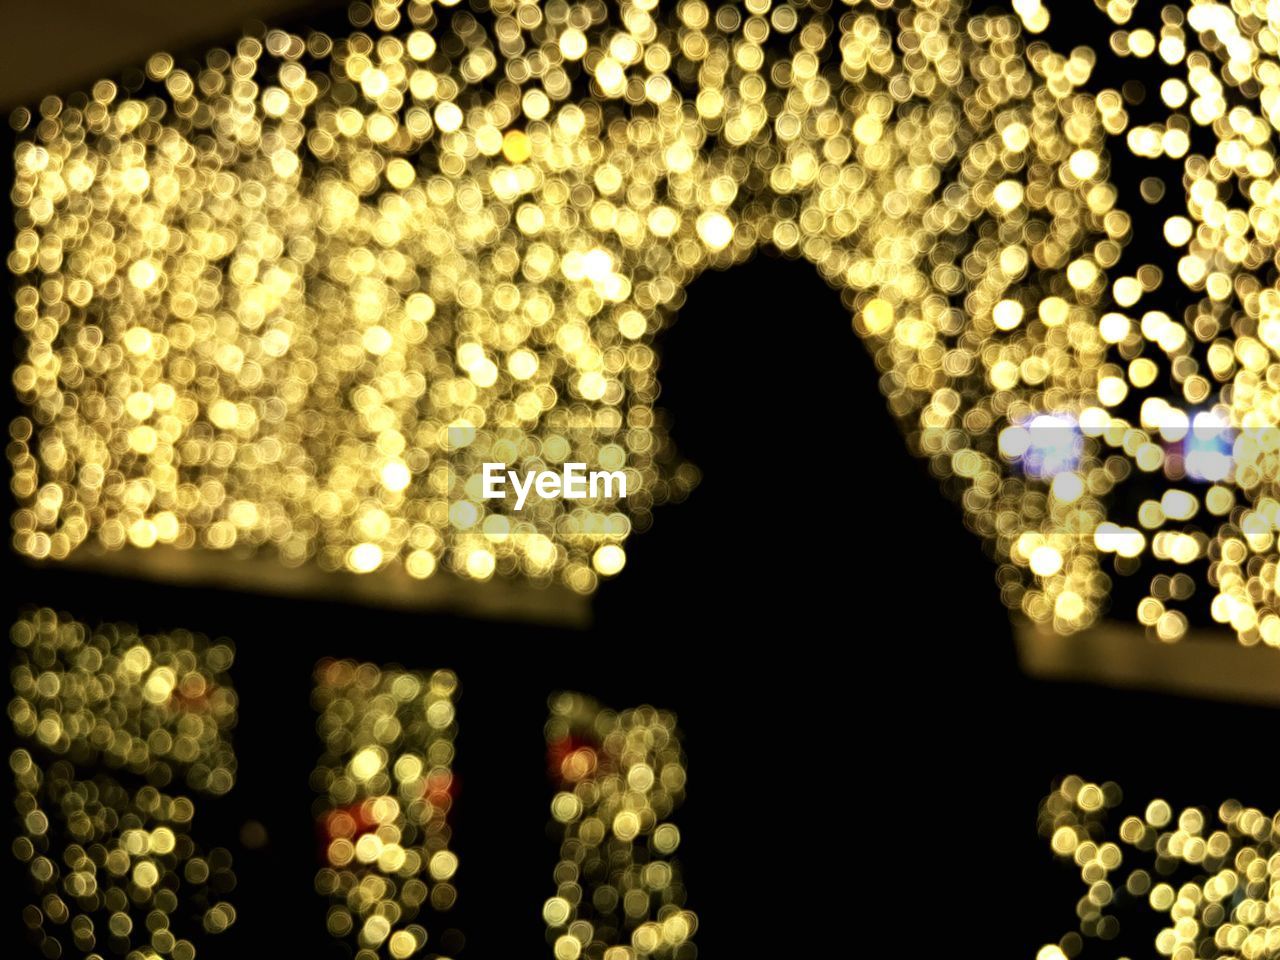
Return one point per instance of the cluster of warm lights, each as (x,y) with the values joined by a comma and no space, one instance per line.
(1164,453)
(1124,436)
(159,706)
(1215,883)
(115,868)
(619,893)
(386,781)
(1222,79)
(257,294)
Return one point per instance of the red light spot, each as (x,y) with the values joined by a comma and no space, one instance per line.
(571,758)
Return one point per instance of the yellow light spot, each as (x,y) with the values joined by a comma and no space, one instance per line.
(1007,195)
(1112,391)
(396,476)
(419,307)
(632,324)
(275,102)
(377,340)
(1069,606)
(573,44)
(516,146)
(223,414)
(137,340)
(1046,561)
(420,564)
(1067,487)
(609,560)
(611,77)
(626,825)
(1082,274)
(160,685)
(364,557)
(448,117)
(1114,327)
(1127,291)
(481,564)
(1143,372)
(867,129)
(592,385)
(400,173)
(716,230)
(877,316)
(1142,43)
(556,911)
(1177,231)
(140,405)
(402,943)
(522,364)
(143,274)
(143,533)
(484,373)
(143,439)
(1179,504)
(1007,314)
(145,874)
(1173,92)
(366,763)
(444,865)
(597,265)
(1016,137)
(421,45)
(1083,164)
(1054,311)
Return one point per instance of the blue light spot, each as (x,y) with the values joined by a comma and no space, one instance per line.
(1207,448)
(1044,445)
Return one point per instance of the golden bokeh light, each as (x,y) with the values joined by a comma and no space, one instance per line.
(113,857)
(1214,878)
(257,294)
(619,888)
(386,787)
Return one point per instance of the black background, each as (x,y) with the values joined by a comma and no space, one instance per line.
(865,758)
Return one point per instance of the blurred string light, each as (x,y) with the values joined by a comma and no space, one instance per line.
(1215,883)
(619,892)
(385,785)
(1221,446)
(1208,449)
(113,860)
(255,301)
(256,296)
(1044,445)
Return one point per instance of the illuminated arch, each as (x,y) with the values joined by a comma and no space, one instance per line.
(255,302)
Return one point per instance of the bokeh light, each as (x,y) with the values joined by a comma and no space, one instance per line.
(256,294)
(114,857)
(385,786)
(1211,877)
(619,891)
